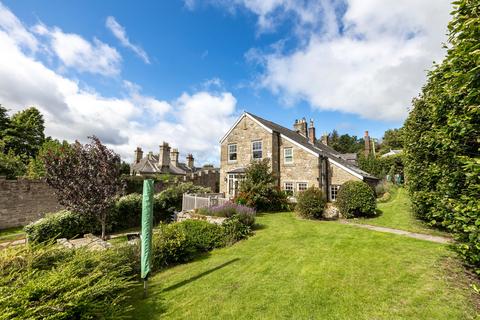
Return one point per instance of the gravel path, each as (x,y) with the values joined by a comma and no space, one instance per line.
(421,236)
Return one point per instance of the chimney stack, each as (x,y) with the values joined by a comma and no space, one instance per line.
(366,138)
(190,160)
(325,139)
(300,126)
(138,154)
(311,133)
(164,155)
(174,157)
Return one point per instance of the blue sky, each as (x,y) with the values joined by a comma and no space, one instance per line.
(138,73)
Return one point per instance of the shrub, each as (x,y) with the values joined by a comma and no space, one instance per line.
(259,190)
(310,203)
(48,282)
(61,224)
(356,199)
(183,241)
(202,235)
(234,230)
(170,200)
(244,214)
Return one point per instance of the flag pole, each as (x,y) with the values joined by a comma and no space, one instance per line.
(146,236)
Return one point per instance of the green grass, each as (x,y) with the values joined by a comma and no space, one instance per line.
(11,234)
(300,269)
(396,213)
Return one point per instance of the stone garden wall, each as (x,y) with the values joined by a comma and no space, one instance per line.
(24,201)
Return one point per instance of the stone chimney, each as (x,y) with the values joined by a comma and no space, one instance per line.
(174,157)
(138,155)
(164,155)
(366,138)
(311,133)
(190,160)
(300,126)
(325,139)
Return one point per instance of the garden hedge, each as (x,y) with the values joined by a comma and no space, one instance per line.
(356,199)
(442,144)
(311,203)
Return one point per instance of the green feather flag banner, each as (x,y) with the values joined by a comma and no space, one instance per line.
(147,224)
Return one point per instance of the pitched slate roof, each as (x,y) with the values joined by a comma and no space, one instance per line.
(149,165)
(318,147)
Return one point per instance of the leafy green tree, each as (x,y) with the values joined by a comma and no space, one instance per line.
(442,144)
(4,121)
(392,139)
(259,189)
(25,134)
(11,165)
(344,143)
(36,166)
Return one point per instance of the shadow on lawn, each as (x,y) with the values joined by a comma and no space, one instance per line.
(198,276)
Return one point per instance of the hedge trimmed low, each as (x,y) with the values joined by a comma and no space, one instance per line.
(356,199)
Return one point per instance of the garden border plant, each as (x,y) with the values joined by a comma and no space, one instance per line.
(356,199)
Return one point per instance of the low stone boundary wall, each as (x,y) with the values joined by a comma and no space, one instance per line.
(23,201)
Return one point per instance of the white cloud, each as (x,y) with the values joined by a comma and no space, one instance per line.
(369,59)
(77,53)
(120,33)
(193,122)
(10,24)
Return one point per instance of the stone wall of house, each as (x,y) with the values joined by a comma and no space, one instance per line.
(305,166)
(243,134)
(24,201)
(339,176)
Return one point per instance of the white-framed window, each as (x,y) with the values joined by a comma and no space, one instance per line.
(232,152)
(288,155)
(302,186)
(334,191)
(257,149)
(289,188)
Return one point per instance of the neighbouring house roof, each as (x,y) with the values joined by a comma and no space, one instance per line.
(318,148)
(150,165)
(351,157)
(391,153)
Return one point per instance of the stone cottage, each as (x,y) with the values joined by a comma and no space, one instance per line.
(297,158)
(167,162)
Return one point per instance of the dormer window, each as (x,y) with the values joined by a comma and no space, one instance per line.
(232,152)
(257,150)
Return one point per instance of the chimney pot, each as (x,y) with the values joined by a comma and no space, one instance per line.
(311,133)
(300,126)
(174,157)
(190,161)
(367,144)
(325,139)
(138,154)
(164,155)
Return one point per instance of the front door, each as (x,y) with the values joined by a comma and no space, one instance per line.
(234,184)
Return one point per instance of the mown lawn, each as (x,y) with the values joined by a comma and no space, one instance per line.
(299,269)
(396,213)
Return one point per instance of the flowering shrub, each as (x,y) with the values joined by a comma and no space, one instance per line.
(244,214)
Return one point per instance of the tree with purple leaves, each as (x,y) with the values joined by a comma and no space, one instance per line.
(86,178)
